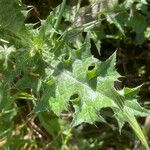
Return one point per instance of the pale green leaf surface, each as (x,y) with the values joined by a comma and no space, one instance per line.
(94,91)
(90,90)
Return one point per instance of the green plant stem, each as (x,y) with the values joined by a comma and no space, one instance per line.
(135,126)
(56,26)
(66,139)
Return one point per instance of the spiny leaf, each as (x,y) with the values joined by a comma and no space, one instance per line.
(92,83)
(81,81)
